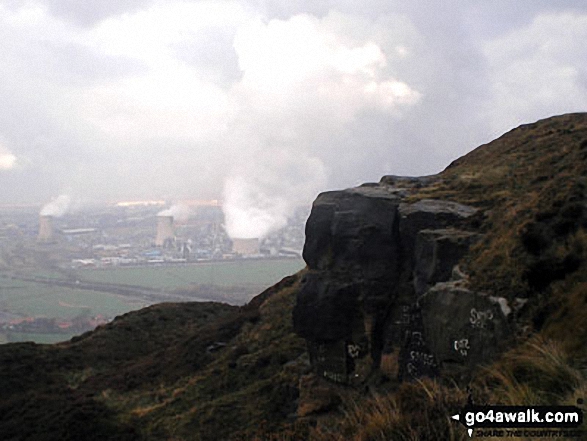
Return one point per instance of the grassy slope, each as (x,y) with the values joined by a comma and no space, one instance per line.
(250,384)
(49,392)
(533,181)
(189,370)
(531,186)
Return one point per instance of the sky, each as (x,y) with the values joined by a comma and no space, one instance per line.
(264,104)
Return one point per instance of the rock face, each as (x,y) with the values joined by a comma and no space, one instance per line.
(436,252)
(464,327)
(383,278)
(353,256)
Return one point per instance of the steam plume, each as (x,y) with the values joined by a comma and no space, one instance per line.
(260,199)
(7,160)
(57,207)
(179,212)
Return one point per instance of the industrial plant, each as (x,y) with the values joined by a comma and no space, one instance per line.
(46,251)
(165,232)
(45,229)
(246,247)
(144,234)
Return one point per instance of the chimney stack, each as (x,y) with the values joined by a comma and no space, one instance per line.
(165,233)
(45,229)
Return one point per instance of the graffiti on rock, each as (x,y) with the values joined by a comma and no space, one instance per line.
(462,346)
(479,319)
(415,358)
(354,350)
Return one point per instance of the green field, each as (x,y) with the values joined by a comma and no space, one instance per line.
(246,272)
(30,299)
(231,281)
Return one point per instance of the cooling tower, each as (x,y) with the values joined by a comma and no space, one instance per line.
(245,246)
(165,233)
(45,229)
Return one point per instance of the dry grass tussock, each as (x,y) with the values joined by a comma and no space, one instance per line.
(539,372)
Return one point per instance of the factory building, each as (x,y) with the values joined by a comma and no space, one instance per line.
(245,246)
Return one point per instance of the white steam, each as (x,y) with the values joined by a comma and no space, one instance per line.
(260,199)
(7,159)
(179,212)
(306,84)
(249,211)
(57,207)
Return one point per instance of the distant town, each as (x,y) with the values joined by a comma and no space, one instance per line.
(64,257)
(140,233)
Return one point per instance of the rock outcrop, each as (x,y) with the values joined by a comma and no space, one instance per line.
(383,279)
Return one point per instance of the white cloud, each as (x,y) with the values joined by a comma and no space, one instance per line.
(166,97)
(150,34)
(303,60)
(303,81)
(170,98)
(538,70)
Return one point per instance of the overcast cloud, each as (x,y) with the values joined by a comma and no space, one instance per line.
(266,103)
